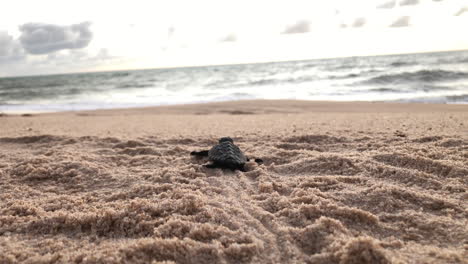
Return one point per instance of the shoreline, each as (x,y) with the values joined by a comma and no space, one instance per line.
(312,104)
(317,102)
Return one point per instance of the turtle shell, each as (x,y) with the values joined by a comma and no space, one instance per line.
(227,154)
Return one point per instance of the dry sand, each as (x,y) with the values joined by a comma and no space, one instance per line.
(341,183)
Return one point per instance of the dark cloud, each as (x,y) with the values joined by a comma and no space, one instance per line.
(409,2)
(301,26)
(387,5)
(10,49)
(229,38)
(37,38)
(403,21)
(359,22)
(461,11)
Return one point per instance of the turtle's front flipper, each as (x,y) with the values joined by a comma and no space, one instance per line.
(258,161)
(203,153)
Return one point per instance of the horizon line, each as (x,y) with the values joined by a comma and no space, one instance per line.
(229,64)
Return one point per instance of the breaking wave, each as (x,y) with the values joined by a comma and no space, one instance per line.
(418,76)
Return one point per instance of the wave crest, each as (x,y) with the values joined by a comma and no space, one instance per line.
(418,76)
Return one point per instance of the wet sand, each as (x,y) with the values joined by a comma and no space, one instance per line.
(340,183)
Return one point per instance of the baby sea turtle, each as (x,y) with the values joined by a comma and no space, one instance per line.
(225,155)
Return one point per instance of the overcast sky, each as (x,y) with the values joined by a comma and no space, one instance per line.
(40,37)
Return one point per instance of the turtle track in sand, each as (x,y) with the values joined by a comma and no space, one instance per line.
(316,199)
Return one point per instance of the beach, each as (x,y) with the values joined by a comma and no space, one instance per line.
(341,182)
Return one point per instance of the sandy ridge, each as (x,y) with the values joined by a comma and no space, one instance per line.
(319,198)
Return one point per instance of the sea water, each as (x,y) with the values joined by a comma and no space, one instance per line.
(426,77)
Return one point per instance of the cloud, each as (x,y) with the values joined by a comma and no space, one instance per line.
(409,2)
(170,31)
(461,11)
(229,38)
(387,5)
(10,49)
(301,26)
(77,58)
(359,22)
(403,21)
(37,38)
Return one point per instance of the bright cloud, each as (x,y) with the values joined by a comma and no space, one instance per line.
(462,11)
(301,26)
(10,49)
(387,5)
(229,38)
(409,2)
(359,22)
(403,21)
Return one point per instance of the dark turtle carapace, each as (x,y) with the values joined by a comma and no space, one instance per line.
(225,155)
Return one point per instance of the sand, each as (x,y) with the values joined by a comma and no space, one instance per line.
(340,183)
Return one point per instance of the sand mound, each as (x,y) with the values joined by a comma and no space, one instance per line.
(317,199)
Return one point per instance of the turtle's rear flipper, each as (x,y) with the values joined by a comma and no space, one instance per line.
(221,166)
(239,167)
(203,153)
(242,168)
(211,166)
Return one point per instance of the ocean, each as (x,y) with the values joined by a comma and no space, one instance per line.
(426,77)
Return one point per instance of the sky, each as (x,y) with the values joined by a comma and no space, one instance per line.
(54,36)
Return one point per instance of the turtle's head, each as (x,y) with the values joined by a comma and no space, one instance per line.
(225,139)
